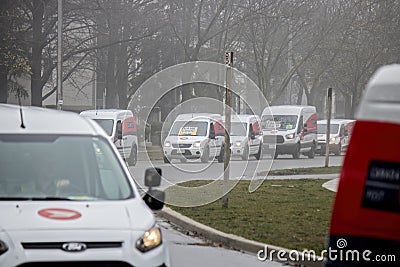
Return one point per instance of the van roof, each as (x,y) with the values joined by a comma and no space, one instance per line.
(189,116)
(381,100)
(287,109)
(243,117)
(45,121)
(106,113)
(335,121)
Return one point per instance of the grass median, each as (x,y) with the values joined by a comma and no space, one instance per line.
(303,171)
(294,214)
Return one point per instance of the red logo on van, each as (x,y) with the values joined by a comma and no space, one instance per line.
(59,214)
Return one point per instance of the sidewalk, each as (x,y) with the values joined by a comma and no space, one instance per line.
(238,242)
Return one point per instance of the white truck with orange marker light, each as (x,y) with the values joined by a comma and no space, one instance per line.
(120,125)
(289,129)
(366,213)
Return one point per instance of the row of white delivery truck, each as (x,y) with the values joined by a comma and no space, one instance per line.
(284,129)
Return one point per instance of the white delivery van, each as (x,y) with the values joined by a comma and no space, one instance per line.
(120,125)
(246,136)
(193,136)
(340,133)
(68,199)
(290,129)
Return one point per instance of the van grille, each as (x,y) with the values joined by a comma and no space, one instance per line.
(77,264)
(58,245)
(181,145)
(273,139)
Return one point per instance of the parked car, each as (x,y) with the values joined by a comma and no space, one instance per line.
(366,213)
(339,138)
(121,127)
(246,136)
(195,136)
(290,129)
(67,198)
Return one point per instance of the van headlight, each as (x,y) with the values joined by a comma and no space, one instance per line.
(260,137)
(238,144)
(196,144)
(150,239)
(3,247)
(167,144)
(290,136)
(332,140)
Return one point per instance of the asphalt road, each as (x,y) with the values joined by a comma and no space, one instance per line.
(179,172)
(187,250)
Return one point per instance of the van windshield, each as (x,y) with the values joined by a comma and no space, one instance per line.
(106,124)
(238,129)
(189,128)
(322,128)
(279,122)
(55,167)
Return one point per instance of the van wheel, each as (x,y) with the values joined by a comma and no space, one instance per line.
(132,160)
(259,155)
(338,151)
(311,153)
(246,152)
(206,155)
(221,154)
(296,153)
(166,160)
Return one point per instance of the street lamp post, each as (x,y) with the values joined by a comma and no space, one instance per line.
(59,92)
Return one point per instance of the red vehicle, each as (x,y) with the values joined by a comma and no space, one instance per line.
(365,224)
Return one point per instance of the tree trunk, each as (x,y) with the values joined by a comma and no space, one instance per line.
(111,91)
(101,61)
(3,84)
(122,73)
(36,61)
(347,106)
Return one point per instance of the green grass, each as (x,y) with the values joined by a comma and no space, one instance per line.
(294,214)
(297,171)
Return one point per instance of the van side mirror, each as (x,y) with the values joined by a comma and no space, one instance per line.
(251,132)
(212,131)
(152,177)
(119,130)
(154,199)
(346,133)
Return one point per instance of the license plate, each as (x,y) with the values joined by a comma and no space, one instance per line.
(180,151)
(271,146)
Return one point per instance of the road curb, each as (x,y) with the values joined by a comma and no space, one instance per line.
(234,241)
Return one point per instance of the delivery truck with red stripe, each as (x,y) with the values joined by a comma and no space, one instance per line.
(365,223)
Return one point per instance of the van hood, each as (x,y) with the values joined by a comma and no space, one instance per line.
(237,138)
(278,132)
(322,137)
(57,215)
(184,139)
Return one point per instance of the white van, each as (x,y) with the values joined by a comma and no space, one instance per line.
(68,199)
(193,136)
(340,133)
(120,125)
(290,129)
(246,136)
